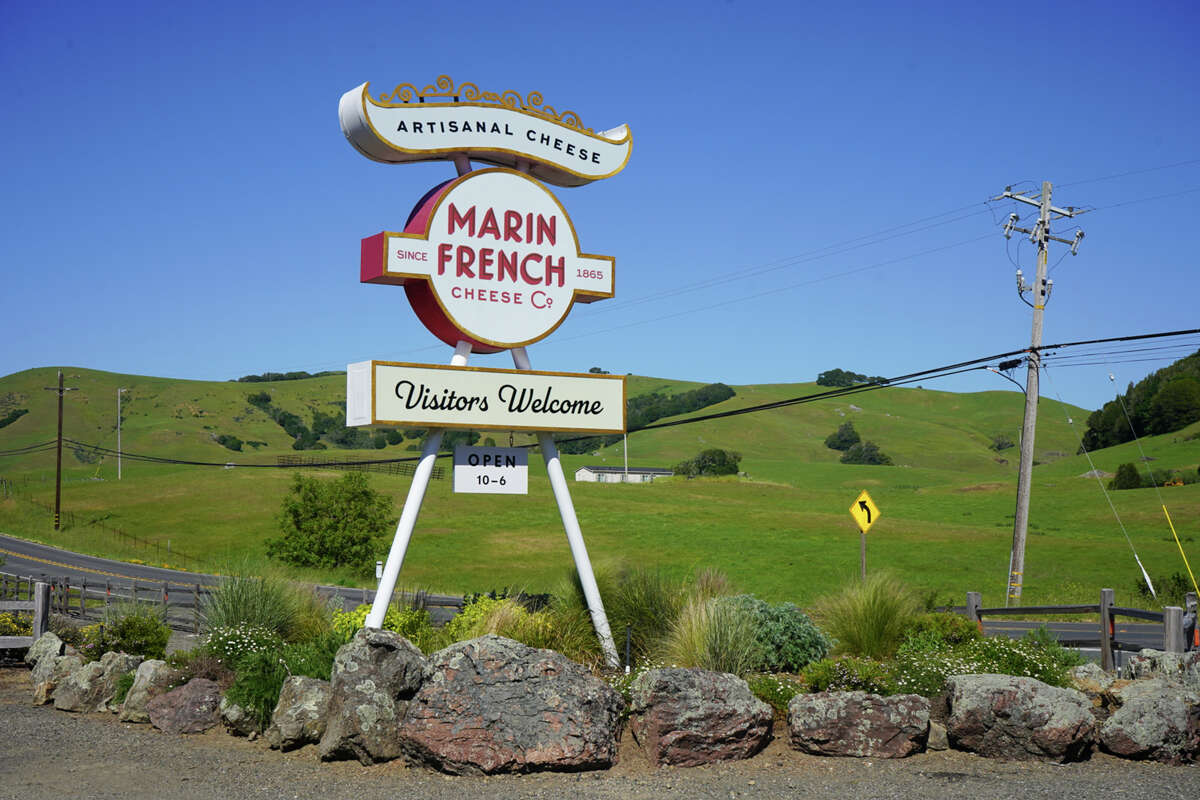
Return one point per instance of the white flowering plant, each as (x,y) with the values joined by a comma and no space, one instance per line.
(233,644)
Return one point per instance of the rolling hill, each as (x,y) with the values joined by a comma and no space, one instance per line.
(781,531)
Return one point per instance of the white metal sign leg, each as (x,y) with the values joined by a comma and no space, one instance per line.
(566,510)
(412,509)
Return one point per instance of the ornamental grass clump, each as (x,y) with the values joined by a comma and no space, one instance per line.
(293,612)
(718,634)
(868,618)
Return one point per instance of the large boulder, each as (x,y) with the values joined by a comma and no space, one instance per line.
(153,677)
(48,645)
(49,673)
(374,676)
(192,708)
(93,686)
(858,724)
(689,717)
(1002,716)
(299,717)
(1155,720)
(1181,668)
(492,705)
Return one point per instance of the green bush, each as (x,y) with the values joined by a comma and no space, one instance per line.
(949,629)
(865,453)
(13,623)
(124,684)
(775,690)
(128,627)
(232,645)
(850,674)
(868,618)
(1127,477)
(261,675)
(713,461)
(843,438)
(787,639)
(411,623)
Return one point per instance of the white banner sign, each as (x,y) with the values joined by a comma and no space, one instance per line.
(387,393)
(503,131)
(491,470)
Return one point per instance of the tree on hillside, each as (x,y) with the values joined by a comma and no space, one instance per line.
(866,453)
(1164,401)
(331,523)
(843,438)
(841,377)
(1176,405)
(709,462)
(1127,477)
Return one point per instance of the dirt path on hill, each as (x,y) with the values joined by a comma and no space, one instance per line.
(53,754)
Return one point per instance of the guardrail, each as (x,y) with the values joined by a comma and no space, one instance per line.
(1180,631)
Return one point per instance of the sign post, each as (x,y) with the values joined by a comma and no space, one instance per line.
(865,513)
(489,261)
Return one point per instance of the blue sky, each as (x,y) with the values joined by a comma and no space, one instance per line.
(807,187)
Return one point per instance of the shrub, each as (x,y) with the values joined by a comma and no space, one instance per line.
(230,442)
(849,674)
(331,523)
(231,645)
(718,634)
(868,618)
(1127,477)
(260,675)
(1171,592)
(709,462)
(1001,441)
(775,690)
(198,663)
(411,623)
(948,629)
(786,638)
(843,438)
(13,623)
(124,684)
(865,453)
(127,627)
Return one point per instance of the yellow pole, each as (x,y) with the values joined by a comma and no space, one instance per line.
(1180,546)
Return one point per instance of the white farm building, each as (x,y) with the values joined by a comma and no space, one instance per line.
(621,475)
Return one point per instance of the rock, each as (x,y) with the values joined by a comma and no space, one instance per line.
(1153,722)
(236,719)
(937,737)
(299,718)
(1089,678)
(858,724)
(92,686)
(492,705)
(1182,668)
(48,645)
(49,673)
(1002,716)
(689,717)
(152,678)
(374,676)
(191,708)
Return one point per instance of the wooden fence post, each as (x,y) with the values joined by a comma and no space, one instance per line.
(134,591)
(41,609)
(1173,641)
(1191,624)
(83,598)
(165,603)
(1106,629)
(974,602)
(196,608)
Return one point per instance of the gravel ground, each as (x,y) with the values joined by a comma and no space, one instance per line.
(52,754)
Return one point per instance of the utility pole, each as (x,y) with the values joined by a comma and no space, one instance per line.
(58,462)
(1041,288)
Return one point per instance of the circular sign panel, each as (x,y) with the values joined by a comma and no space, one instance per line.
(490,258)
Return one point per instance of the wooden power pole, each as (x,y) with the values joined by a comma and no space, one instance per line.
(58,458)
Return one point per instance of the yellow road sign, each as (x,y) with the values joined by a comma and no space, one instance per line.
(864,511)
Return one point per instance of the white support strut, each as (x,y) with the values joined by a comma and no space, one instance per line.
(566,510)
(412,509)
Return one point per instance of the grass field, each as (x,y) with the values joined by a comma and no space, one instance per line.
(783,532)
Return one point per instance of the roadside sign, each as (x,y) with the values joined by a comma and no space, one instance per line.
(864,511)
(491,470)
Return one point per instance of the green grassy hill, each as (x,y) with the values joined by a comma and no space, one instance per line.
(783,531)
